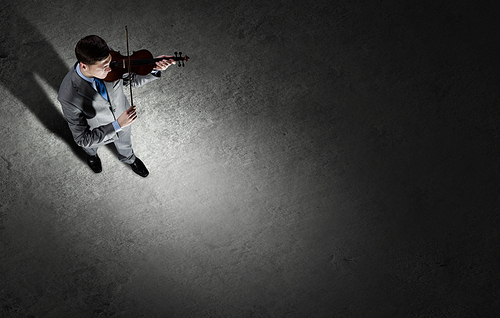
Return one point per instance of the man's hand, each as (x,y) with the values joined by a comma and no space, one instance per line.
(128,117)
(163,64)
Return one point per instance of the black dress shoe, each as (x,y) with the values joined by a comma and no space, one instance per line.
(94,163)
(139,168)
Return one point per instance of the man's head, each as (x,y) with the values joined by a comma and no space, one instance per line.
(93,55)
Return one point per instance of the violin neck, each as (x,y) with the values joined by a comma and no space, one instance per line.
(175,58)
(154,60)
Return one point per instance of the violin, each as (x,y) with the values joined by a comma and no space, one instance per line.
(141,63)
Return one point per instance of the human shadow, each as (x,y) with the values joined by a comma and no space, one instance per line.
(25,57)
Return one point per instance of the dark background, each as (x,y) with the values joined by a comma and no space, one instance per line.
(313,159)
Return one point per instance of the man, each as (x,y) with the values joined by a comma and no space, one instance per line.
(98,112)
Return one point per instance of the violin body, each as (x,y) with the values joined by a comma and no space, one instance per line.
(141,63)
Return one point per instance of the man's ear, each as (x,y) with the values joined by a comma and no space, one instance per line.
(83,66)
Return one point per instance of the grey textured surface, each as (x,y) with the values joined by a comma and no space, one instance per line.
(313,159)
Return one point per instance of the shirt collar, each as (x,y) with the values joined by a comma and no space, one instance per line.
(79,71)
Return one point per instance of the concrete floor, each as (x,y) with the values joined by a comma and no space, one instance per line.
(313,159)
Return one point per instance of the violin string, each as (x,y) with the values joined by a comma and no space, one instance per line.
(140,62)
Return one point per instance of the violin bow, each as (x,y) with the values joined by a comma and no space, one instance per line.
(129,73)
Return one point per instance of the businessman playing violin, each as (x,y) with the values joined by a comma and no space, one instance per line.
(97,111)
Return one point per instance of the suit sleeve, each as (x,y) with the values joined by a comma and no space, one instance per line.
(139,80)
(83,136)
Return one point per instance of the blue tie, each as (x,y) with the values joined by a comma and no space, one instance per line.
(101,88)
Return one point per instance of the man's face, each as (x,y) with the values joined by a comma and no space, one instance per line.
(99,70)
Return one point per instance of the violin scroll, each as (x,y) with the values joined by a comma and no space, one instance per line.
(180,58)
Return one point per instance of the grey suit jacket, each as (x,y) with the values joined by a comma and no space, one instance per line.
(88,114)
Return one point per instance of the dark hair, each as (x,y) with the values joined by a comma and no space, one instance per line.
(91,49)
